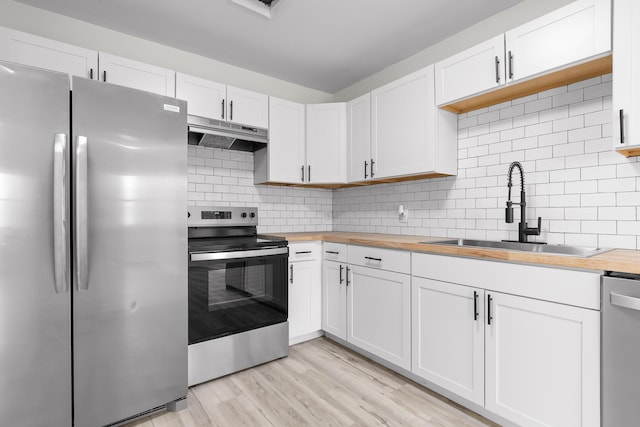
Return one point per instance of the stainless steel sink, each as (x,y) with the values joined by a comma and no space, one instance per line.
(577,251)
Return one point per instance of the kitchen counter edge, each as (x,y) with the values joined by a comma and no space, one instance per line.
(621,260)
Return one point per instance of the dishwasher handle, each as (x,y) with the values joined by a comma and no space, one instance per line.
(625,301)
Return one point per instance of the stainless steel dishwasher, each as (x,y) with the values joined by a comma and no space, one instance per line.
(620,350)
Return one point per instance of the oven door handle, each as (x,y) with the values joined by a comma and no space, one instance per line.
(255,253)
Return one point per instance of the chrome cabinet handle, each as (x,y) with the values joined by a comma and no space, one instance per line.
(81,206)
(60,217)
(497,70)
(291,274)
(625,301)
(621,126)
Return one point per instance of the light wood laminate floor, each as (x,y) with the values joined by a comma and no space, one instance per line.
(320,384)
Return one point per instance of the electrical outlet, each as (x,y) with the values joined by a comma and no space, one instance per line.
(403,214)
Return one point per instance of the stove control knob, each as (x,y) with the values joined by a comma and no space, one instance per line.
(243,215)
(252,215)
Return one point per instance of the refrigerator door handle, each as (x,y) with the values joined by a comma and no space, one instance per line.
(81,206)
(60,214)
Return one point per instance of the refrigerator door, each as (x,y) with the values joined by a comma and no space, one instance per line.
(130,281)
(35,302)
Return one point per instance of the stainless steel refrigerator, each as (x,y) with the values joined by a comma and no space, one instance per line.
(93,247)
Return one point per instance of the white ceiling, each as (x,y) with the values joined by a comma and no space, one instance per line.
(322,44)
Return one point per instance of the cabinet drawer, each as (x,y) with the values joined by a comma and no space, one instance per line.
(383,259)
(578,288)
(304,251)
(334,252)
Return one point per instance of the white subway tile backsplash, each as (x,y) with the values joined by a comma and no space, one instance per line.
(586,194)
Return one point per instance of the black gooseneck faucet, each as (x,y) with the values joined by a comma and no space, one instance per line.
(523,230)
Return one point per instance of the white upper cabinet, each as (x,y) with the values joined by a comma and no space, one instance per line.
(568,35)
(409,135)
(284,158)
(326,143)
(204,97)
(474,70)
(359,139)
(247,108)
(27,49)
(571,36)
(213,100)
(137,75)
(626,76)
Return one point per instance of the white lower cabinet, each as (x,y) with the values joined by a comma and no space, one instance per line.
(542,362)
(305,269)
(448,336)
(334,299)
(379,313)
(531,360)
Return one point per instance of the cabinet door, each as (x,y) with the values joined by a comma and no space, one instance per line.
(27,49)
(304,298)
(359,139)
(247,108)
(542,362)
(448,336)
(626,73)
(137,75)
(334,299)
(571,34)
(402,125)
(326,143)
(471,72)
(204,97)
(379,313)
(286,148)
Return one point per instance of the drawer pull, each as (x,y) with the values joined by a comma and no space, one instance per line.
(373,259)
(332,252)
(302,252)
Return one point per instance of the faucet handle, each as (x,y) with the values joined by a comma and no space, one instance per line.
(536,231)
(508,214)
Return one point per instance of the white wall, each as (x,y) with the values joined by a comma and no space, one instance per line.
(58,27)
(586,193)
(225,178)
(484,30)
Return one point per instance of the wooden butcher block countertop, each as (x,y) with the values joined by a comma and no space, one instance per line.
(622,260)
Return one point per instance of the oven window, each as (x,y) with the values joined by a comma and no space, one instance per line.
(231,296)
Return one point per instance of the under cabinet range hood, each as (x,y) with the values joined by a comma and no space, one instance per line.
(219,134)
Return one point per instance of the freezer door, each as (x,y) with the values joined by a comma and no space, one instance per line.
(130,281)
(620,351)
(35,302)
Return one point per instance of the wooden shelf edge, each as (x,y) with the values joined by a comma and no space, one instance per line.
(359,184)
(586,70)
(629,151)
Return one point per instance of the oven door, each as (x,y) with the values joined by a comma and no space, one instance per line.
(232,292)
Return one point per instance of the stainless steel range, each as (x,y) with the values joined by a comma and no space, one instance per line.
(237,293)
